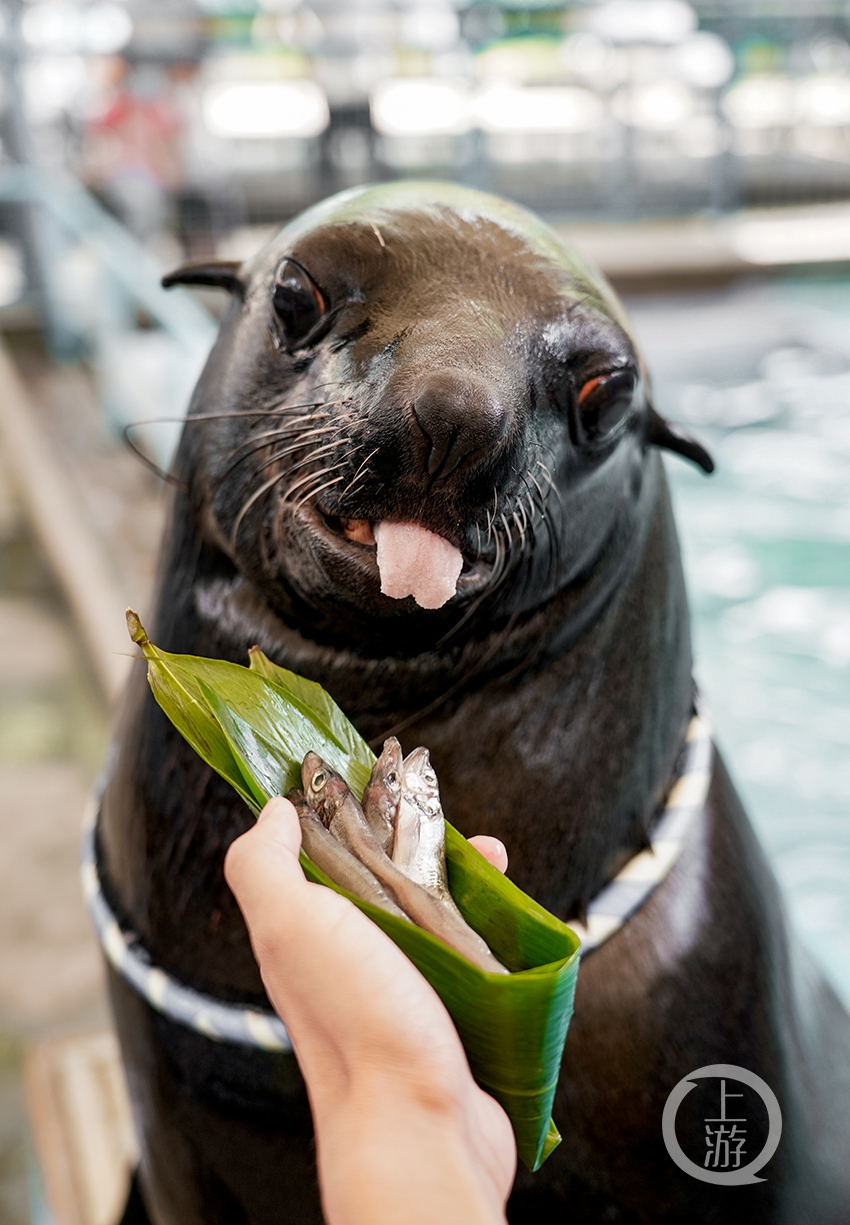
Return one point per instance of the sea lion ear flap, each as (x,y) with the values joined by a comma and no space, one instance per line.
(219,273)
(661,433)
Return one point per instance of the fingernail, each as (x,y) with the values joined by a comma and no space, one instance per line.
(272,809)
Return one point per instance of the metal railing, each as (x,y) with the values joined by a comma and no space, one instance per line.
(99,296)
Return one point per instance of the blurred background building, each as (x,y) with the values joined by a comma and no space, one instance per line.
(197,124)
(699,153)
(190,119)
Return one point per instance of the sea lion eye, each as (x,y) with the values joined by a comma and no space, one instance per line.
(318,780)
(603,404)
(298,302)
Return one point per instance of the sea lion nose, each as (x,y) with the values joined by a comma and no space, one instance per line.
(458,415)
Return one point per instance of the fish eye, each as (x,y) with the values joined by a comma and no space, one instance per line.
(603,405)
(298,302)
(318,780)
(429,775)
(392,778)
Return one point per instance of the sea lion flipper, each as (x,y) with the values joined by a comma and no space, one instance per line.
(662,433)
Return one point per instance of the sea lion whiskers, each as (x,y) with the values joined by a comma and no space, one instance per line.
(337,423)
(507,527)
(550,482)
(289,422)
(526,542)
(530,514)
(533,480)
(305,429)
(554,550)
(491,518)
(267,488)
(520,508)
(298,446)
(530,540)
(237,414)
(270,484)
(305,437)
(527,499)
(511,555)
(200,419)
(489,530)
(302,443)
(542,509)
(240,414)
(294,467)
(349,489)
(521,525)
(312,475)
(314,493)
(286,426)
(281,429)
(246,506)
(277,401)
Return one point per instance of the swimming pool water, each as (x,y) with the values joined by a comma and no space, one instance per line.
(761,374)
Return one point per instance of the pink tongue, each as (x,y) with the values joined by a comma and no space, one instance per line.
(414,561)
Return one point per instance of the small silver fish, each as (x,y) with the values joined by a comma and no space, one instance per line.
(383,793)
(336,862)
(419,846)
(330,798)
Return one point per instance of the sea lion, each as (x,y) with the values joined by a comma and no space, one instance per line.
(424,354)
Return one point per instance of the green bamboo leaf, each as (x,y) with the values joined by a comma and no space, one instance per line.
(254,726)
(178,693)
(320,706)
(282,721)
(263,775)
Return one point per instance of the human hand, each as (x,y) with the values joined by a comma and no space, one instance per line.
(403,1133)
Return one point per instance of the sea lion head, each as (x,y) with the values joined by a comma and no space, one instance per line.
(426,354)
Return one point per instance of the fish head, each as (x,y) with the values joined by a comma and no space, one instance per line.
(419,781)
(322,786)
(386,773)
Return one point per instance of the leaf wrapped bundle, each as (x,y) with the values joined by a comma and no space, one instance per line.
(253,726)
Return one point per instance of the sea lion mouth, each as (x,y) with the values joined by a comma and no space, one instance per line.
(359,530)
(355,541)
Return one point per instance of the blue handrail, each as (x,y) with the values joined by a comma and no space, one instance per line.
(116,250)
(144,375)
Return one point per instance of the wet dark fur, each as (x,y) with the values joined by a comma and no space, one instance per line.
(553,693)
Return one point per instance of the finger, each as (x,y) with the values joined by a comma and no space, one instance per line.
(264,860)
(315,948)
(492,849)
(279,823)
(292,921)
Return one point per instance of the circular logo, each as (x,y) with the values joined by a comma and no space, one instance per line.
(724,1133)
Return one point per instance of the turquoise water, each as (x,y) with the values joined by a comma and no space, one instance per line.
(762,374)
